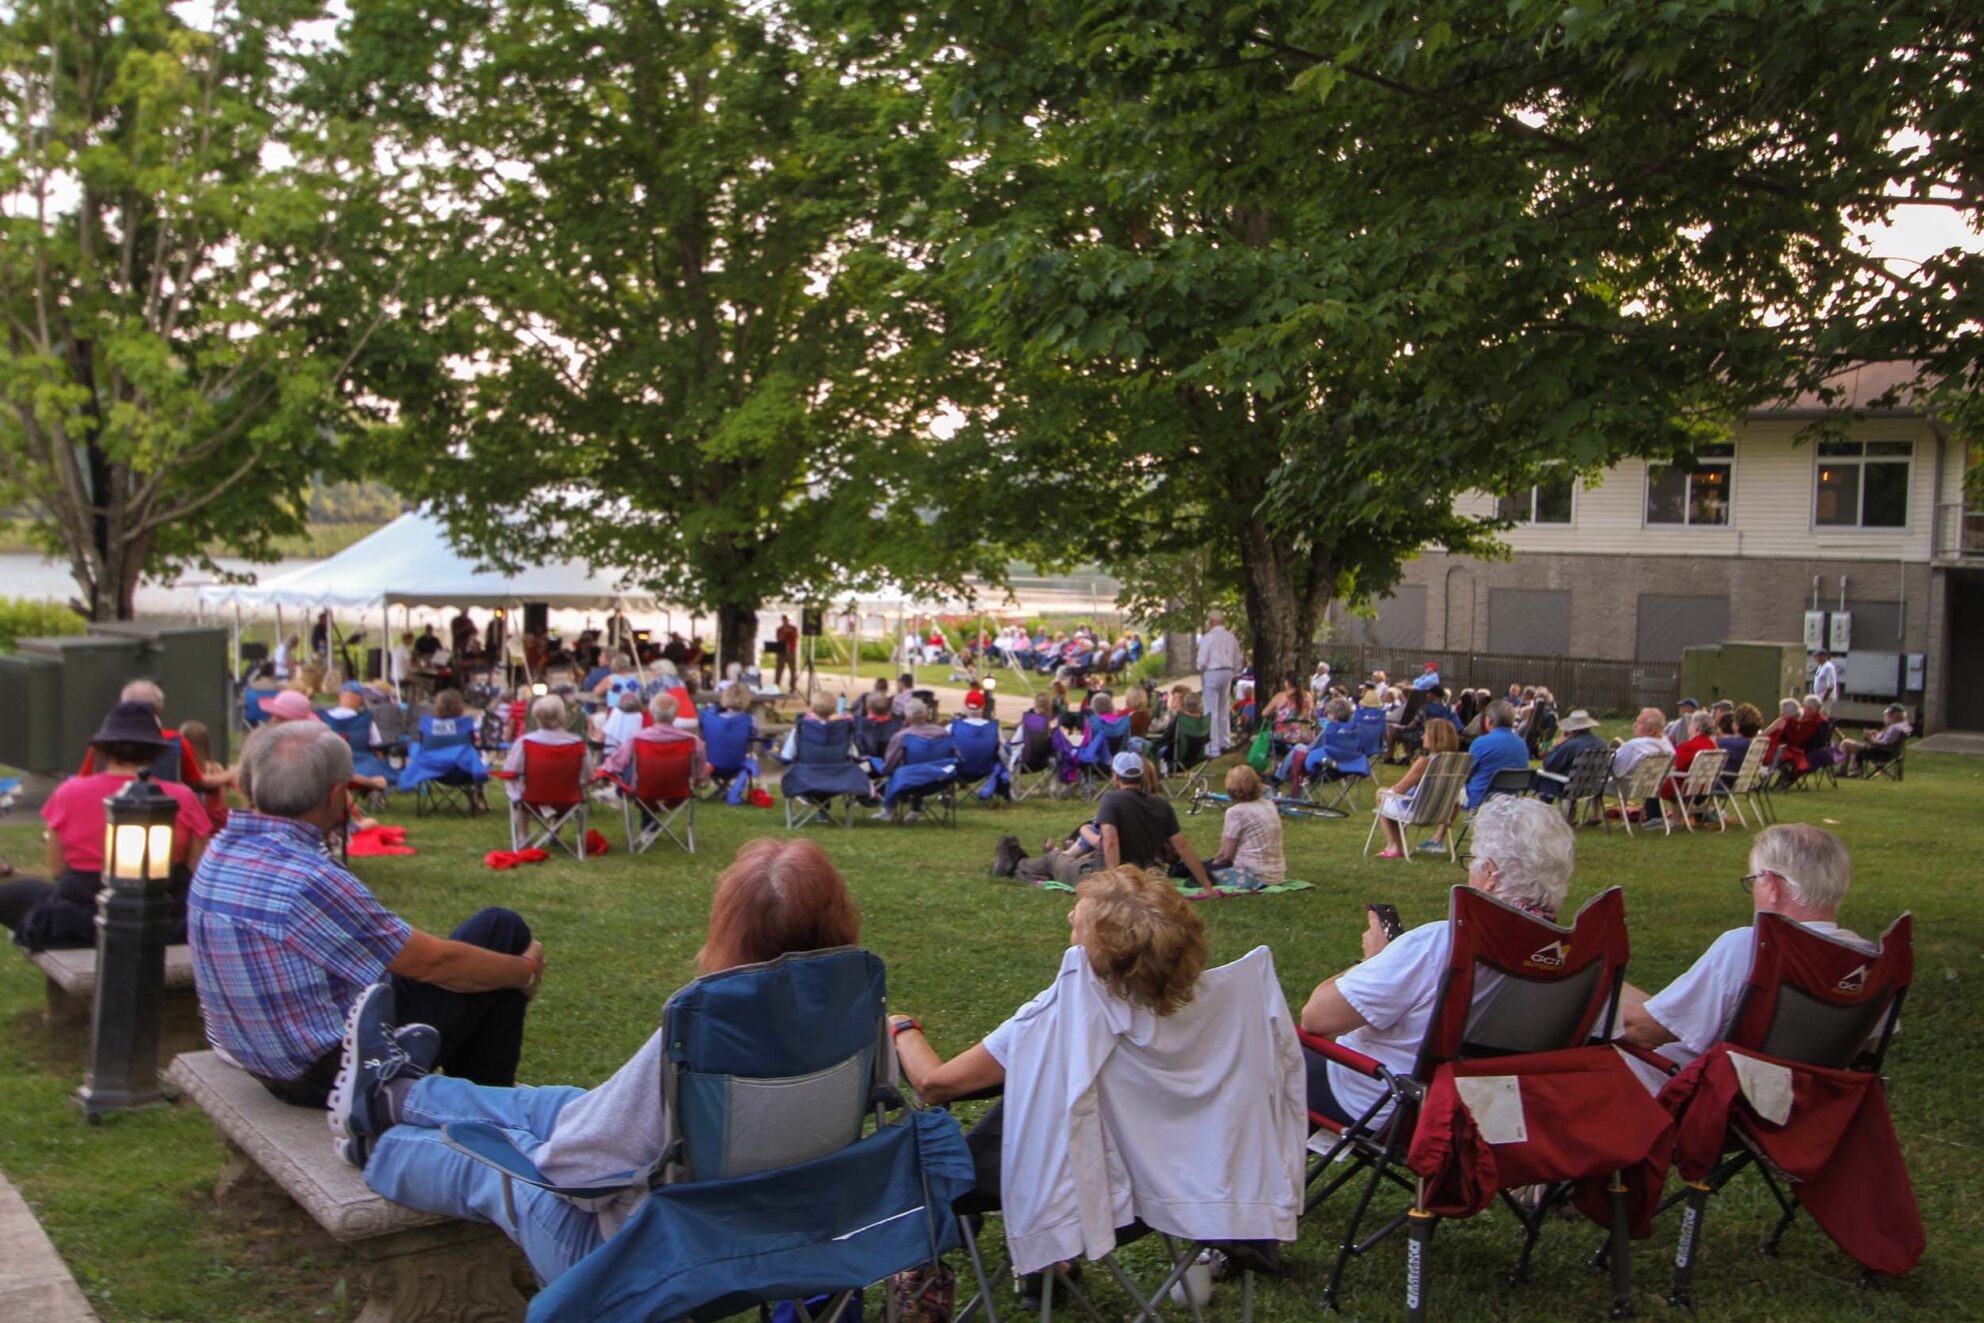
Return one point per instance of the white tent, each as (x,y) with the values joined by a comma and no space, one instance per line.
(410,562)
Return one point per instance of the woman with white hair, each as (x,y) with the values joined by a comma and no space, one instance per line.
(1381,1006)
(547,716)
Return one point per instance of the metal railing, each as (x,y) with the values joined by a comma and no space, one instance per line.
(1593,683)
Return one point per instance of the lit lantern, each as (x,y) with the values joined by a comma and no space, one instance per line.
(133,922)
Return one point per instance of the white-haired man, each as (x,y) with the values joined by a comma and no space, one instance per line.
(547,715)
(1796,870)
(1524,852)
(1648,739)
(664,708)
(1220,659)
(286,942)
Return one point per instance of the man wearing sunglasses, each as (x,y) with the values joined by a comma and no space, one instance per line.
(1798,871)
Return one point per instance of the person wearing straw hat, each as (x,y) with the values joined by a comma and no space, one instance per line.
(1578,730)
(62,914)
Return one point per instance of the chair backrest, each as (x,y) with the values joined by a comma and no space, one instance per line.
(1343,743)
(1509,781)
(871,736)
(1817,999)
(773,1064)
(1556,986)
(446,732)
(1415,703)
(1703,774)
(1440,787)
(389,717)
(928,749)
(1642,780)
(1751,770)
(1190,737)
(822,743)
(1036,741)
(727,736)
(552,777)
(354,728)
(664,770)
(977,745)
(253,713)
(1588,772)
(1107,735)
(1371,726)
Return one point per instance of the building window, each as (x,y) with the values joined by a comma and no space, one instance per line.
(1863,484)
(1545,503)
(1699,494)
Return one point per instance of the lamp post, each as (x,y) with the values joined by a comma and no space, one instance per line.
(133,919)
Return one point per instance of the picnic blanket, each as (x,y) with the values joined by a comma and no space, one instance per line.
(1191,892)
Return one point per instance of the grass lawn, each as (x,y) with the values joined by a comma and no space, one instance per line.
(129,1204)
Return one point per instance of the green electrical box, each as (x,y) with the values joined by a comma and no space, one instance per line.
(1744,672)
(54,692)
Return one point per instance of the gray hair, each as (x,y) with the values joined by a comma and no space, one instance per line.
(1501,713)
(1339,709)
(1702,723)
(146,692)
(1215,617)
(1101,704)
(1532,846)
(663,706)
(915,710)
(548,712)
(630,701)
(1789,707)
(291,767)
(1811,860)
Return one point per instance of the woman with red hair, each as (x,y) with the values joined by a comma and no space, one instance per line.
(777,897)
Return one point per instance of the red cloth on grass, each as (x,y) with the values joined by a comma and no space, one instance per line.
(378,841)
(1838,1144)
(511,858)
(1586,1115)
(595,843)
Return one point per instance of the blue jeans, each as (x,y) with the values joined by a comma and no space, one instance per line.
(410,1165)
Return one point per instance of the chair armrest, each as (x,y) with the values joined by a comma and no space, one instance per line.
(1647,1055)
(492,1148)
(502,775)
(1561,778)
(1343,1056)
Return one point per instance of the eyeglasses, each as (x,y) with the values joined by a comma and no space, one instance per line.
(1749,880)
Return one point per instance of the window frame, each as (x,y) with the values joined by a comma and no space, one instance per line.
(1859,462)
(1688,502)
(1531,521)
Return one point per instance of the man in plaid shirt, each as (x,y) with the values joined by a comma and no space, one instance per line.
(284,939)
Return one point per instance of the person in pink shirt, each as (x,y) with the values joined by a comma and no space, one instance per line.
(54,915)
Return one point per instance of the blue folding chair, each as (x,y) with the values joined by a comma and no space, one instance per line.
(1335,765)
(929,768)
(355,729)
(727,741)
(1105,737)
(981,764)
(444,768)
(823,770)
(767,1189)
(253,706)
(1370,723)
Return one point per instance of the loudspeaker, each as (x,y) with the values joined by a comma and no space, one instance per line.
(537,618)
(811,622)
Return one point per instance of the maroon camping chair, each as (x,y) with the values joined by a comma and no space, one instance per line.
(1582,1119)
(553,799)
(1817,1012)
(662,791)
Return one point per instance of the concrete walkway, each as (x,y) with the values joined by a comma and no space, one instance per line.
(1952,741)
(34,1282)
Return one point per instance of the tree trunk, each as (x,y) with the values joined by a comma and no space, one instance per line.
(737,634)
(1287,590)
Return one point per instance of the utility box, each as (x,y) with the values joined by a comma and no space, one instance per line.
(1743,672)
(54,692)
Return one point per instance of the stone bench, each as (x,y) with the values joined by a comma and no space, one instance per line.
(72,978)
(414,1265)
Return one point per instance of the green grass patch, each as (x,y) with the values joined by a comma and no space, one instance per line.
(129,1204)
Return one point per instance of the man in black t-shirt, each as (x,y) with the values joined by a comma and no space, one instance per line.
(1136,828)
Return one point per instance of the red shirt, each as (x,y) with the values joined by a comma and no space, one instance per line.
(74,814)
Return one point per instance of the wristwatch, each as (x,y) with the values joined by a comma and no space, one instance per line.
(903,1025)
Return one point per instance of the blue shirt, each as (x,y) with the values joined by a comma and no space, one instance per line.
(283,941)
(1493,751)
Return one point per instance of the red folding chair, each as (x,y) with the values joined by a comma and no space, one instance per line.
(1584,1119)
(553,798)
(1817,1013)
(662,791)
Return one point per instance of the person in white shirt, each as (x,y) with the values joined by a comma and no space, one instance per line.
(285,654)
(1524,852)
(1648,739)
(1220,657)
(402,659)
(1796,870)
(1825,680)
(548,715)
(1319,683)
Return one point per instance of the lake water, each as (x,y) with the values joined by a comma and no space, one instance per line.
(30,576)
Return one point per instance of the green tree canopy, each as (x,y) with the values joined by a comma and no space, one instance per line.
(671,335)
(1282,280)
(194,256)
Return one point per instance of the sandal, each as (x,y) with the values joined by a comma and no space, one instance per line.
(1391,854)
